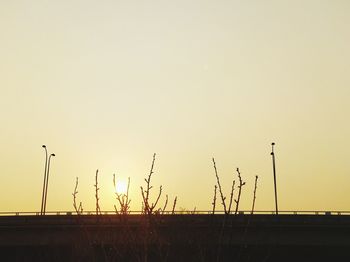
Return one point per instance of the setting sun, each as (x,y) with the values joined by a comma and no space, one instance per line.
(121,187)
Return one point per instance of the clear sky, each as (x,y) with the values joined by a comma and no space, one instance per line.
(105,84)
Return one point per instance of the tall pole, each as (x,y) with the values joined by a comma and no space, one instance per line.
(42,196)
(47,181)
(274,175)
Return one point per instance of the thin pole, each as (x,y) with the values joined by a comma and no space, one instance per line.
(274,175)
(47,181)
(42,196)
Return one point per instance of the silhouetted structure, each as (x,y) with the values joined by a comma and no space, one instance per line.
(274,175)
(46,180)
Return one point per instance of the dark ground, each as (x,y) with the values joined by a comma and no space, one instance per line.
(175,238)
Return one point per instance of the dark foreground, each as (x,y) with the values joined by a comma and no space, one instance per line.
(175,238)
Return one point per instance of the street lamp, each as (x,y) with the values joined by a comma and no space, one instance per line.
(47,181)
(42,197)
(274,175)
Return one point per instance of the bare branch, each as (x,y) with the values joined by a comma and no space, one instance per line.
(214,199)
(231,196)
(194,211)
(148,180)
(123,199)
(147,207)
(254,196)
(166,203)
(241,184)
(127,193)
(78,209)
(145,193)
(174,204)
(98,210)
(220,189)
(116,210)
(160,193)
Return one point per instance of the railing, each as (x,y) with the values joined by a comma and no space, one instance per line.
(178,212)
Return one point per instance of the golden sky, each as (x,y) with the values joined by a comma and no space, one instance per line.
(105,84)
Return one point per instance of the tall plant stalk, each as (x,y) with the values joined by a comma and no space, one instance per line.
(147,206)
(227,210)
(78,209)
(254,195)
(241,184)
(98,210)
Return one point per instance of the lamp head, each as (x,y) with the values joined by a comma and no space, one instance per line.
(43,146)
(53,155)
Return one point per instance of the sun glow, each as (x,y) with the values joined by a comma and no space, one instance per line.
(121,187)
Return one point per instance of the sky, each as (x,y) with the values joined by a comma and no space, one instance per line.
(105,84)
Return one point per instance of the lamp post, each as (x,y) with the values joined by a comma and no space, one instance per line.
(47,181)
(42,197)
(274,175)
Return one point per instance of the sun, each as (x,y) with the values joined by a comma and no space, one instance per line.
(121,187)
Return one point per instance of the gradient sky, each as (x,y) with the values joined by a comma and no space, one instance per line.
(105,84)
